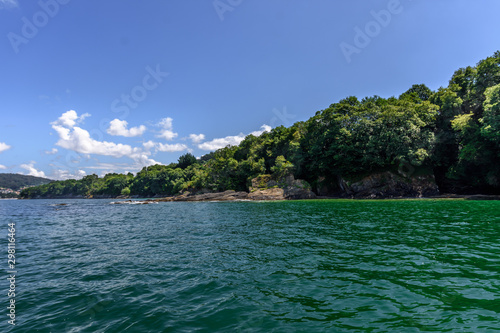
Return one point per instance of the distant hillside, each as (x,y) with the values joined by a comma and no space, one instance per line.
(15,181)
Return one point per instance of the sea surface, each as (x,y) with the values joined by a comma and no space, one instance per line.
(292,266)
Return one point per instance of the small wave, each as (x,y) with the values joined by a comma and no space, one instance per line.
(130,202)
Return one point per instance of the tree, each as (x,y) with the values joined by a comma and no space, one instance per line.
(282,167)
(490,128)
(417,92)
(186,160)
(125,191)
(454,132)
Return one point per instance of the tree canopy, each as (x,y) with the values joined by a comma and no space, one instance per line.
(453,132)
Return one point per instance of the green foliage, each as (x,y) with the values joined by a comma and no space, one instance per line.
(463,122)
(353,137)
(15,181)
(477,164)
(417,93)
(262,180)
(281,167)
(186,160)
(490,128)
(125,191)
(157,180)
(454,131)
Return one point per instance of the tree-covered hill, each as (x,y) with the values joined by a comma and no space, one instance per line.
(16,181)
(452,133)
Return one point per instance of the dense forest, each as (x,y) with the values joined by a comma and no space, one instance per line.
(453,133)
(16,181)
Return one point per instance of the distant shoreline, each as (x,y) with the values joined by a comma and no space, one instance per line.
(239,196)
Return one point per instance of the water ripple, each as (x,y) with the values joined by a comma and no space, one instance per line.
(301,266)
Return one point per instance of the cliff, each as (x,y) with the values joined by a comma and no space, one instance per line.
(391,185)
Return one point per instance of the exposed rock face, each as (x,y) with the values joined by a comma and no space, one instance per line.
(390,185)
(379,185)
(295,192)
(219,196)
(267,194)
(264,188)
(262,181)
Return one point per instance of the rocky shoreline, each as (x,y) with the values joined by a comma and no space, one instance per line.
(382,185)
(244,196)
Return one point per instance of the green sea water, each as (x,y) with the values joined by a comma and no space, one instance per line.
(293,266)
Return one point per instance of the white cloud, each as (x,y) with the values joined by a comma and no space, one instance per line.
(143,160)
(77,139)
(230,140)
(166,132)
(119,127)
(32,171)
(197,138)
(165,147)
(263,128)
(167,135)
(65,174)
(103,166)
(8,4)
(222,142)
(2,167)
(53,151)
(123,168)
(149,145)
(4,147)
(171,148)
(166,123)
(69,119)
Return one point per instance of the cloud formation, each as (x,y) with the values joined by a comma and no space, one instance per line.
(119,128)
(230,140)
(69,119)
(53,151)
(171,147)
(2,167)
(164,147)
(4,147)
(66,174)
(77,139)
(166,132)
(197,138)
(30,167)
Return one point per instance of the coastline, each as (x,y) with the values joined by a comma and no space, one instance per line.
(244,196)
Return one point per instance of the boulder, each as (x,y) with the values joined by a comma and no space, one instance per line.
(389,185)
(267,194)
(265,188)
(292,192)
(218,196)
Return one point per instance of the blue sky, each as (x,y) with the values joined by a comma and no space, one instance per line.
(113,86)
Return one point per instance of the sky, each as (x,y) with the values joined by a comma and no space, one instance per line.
(112,86)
